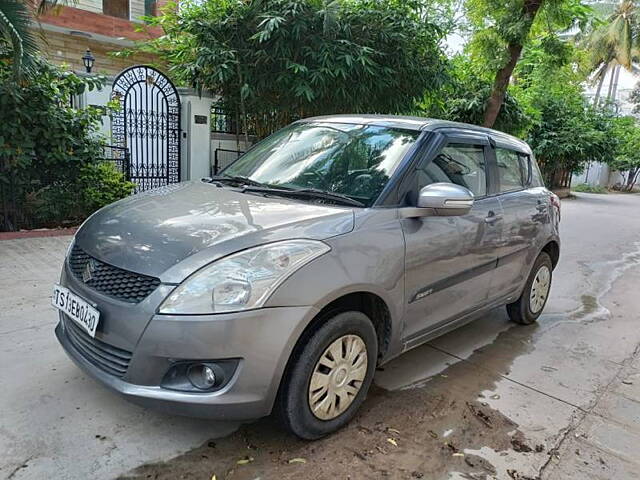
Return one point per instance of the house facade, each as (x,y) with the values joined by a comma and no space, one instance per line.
(103,26)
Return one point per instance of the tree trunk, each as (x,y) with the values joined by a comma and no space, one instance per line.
(611,82)
(632,176)
(501,82)
(596,99)
(614,92)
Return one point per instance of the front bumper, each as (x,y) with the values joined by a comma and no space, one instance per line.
(262,339)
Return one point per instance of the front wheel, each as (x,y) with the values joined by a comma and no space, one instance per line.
(330,376)
(529,306)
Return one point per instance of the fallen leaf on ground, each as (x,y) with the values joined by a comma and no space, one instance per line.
(245,460)
(297,460)
(458,454)
(392,442)
(393,430)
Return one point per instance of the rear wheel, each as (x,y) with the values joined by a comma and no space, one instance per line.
(330,376)
(529,306)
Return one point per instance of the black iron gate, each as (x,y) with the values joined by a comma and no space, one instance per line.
(222,158)
(148,125)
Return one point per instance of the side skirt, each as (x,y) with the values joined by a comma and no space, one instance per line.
(428,334)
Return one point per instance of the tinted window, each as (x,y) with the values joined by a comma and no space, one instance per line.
(460,163)
(513,169)
(536,177)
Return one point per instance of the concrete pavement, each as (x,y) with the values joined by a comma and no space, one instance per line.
(560,399)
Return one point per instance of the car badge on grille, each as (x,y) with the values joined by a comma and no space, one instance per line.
(87,273)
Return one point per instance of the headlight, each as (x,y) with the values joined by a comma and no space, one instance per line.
(243,280)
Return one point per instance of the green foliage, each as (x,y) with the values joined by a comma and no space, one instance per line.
(464,96)
(496,24)
(615,40)
(586,188)
(101,184)
(46,146)
(285,59)
(568,133)
(18,45)
(98,184)
(501,29)
(627,157)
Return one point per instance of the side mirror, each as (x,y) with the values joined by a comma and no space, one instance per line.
(441,199)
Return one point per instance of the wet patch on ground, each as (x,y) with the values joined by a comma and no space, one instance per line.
(463,409)
(409,434)
(449,428)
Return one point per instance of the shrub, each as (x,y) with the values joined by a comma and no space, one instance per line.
(273,62)
(97,185)
(586,188)
(49,150)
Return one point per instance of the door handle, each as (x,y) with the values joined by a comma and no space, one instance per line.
(492,218)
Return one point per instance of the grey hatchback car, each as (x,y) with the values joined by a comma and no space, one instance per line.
(329,248)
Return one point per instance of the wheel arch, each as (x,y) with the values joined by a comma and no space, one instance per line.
(552,249)
(367,302)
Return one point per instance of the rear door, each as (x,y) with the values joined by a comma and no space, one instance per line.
(449,261)
(525,212)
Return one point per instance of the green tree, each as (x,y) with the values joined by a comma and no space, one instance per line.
(502,29)
(614,44)
(464,97)
(18,44)
(273,62)
(568,133)
(627,158)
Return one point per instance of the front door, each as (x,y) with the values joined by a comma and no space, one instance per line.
(449,261)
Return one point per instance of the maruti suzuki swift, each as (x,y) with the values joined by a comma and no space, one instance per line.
(329,248)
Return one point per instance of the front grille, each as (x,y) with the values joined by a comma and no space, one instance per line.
(112,281)
(108,358)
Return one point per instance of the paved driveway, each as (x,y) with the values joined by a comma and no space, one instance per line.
(556,400)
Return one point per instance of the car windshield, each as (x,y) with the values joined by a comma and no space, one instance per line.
(352,160)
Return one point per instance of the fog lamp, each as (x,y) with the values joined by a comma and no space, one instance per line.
(202,376)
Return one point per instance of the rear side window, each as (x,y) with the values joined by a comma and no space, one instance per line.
(459,163)
(536,177)
(513,170)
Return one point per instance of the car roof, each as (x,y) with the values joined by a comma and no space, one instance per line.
(418,124)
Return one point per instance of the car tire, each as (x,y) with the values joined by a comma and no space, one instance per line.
(299,398)
(533,299)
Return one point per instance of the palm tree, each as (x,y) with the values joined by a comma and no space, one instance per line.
(17,39)
(614,45)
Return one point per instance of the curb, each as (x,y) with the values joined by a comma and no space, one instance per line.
(54,232)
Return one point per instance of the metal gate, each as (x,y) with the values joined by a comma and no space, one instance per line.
(148,125)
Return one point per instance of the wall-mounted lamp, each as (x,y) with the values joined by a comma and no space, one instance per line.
(88,59)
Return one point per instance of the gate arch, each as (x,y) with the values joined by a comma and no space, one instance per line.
(148,124)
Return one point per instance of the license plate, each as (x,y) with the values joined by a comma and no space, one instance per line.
(76,308)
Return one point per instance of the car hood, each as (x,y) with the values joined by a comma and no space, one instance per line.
(172,231)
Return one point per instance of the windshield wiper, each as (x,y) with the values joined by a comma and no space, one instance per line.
(236,179)
(330,196)
(305,192)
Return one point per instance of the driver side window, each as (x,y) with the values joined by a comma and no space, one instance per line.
(460,163)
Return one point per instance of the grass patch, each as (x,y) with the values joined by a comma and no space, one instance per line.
(585,188)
